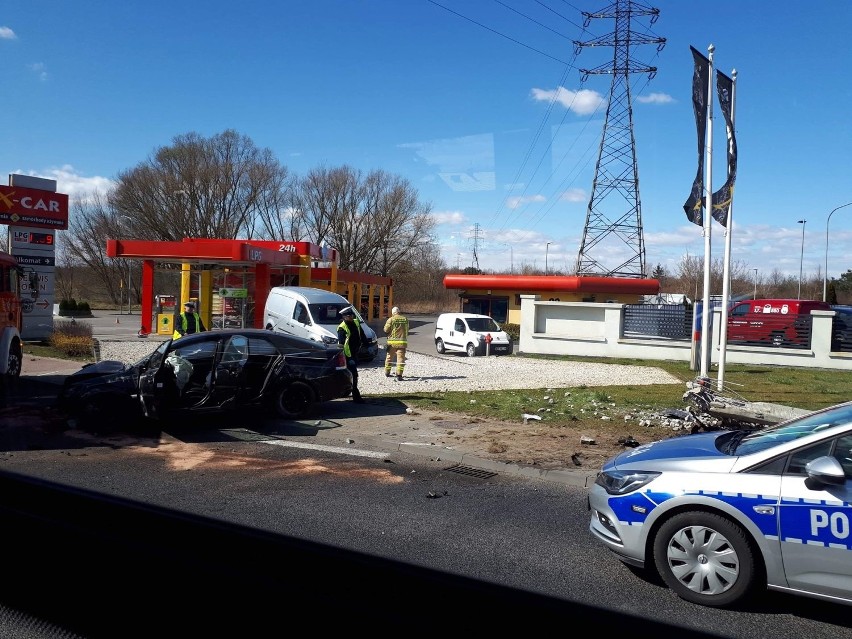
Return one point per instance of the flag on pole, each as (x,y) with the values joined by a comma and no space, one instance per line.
(722,198)
(700,79)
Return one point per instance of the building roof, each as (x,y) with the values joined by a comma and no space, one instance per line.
(556,283)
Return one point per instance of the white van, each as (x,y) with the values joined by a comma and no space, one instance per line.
(466,333)
(314,314)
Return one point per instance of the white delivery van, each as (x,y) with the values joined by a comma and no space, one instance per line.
(314,314)
(467,333)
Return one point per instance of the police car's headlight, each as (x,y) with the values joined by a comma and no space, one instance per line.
(329,340)
(617,482)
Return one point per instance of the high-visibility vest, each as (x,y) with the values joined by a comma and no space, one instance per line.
(182,318)
(346,350)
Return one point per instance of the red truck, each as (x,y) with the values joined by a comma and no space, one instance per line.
(776,322)
(11,315)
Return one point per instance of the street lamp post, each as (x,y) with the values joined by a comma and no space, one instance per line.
(546,251)
(801,257)
(825,274)
(755,284)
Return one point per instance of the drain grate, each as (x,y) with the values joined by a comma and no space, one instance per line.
(470,471)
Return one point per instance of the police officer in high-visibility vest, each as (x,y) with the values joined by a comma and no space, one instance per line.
(351,335)
(188,322)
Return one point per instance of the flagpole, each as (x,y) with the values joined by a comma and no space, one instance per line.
(726,284)
(707,314)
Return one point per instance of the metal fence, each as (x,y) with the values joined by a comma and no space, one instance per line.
(670,321)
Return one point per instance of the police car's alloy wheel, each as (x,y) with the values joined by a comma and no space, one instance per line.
(439,346)
(705,558)
(471,350)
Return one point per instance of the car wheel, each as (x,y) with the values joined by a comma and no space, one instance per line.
(439,346)
(471,350)
(294,400)
(16,358)
(705,558)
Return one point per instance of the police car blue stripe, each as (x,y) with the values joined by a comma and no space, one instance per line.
(816,502)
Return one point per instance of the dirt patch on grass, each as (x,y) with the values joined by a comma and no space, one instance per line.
(583,444)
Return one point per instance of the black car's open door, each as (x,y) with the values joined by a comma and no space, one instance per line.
(229,372)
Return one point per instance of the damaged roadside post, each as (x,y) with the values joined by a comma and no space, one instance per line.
(731,409)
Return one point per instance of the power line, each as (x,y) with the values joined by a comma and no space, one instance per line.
(502,35)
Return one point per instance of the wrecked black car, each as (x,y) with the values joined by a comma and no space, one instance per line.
(214,371)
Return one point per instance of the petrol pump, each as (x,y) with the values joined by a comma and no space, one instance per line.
(164,311)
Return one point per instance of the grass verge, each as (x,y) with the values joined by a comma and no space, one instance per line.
(805,388)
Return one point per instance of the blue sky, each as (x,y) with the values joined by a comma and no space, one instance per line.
(456,97)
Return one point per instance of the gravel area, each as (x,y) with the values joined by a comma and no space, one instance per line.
(426,372)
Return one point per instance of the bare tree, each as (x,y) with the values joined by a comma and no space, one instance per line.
(281,215)
(373,222)
(398,225)
(218,187)
(91,223)
(67,266)
(690,272)
(419,279)
(776,284)
(323,195)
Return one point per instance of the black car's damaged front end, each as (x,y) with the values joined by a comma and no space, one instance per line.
(102,393)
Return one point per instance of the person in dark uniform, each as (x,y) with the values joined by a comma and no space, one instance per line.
(188,322)
(350,335)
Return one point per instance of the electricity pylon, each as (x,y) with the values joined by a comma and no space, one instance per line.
(614,215)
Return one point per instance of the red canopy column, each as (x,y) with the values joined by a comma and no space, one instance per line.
(147,297)
(261,292)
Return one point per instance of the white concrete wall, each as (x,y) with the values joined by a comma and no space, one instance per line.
(595,330)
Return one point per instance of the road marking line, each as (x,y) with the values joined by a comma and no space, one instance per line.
(328,449)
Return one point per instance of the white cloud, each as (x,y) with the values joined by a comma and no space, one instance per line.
(655,98)
(515,202)
(574,195)
(7,34)
(39,69)
(448,217)
(68,181)
(582,102)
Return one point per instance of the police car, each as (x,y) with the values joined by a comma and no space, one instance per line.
(720,515)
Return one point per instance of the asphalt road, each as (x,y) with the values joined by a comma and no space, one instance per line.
(516,532)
